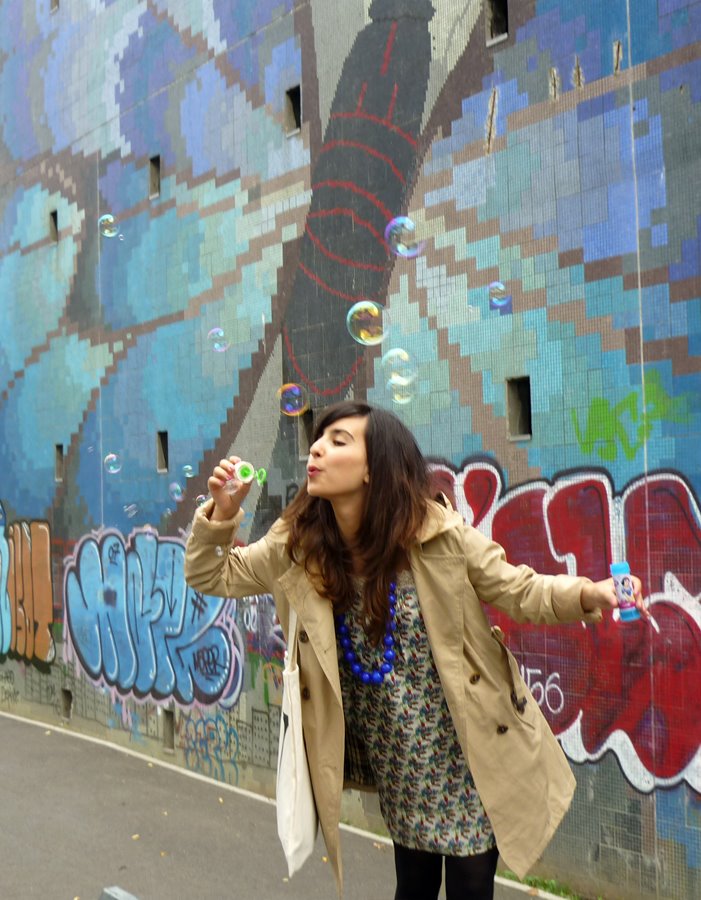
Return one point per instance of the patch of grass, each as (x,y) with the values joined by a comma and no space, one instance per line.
(544,884)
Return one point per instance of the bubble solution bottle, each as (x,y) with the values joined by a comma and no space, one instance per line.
(620,572)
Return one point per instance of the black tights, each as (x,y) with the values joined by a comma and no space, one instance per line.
(419,875)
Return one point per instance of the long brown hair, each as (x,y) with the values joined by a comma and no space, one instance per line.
(395,507)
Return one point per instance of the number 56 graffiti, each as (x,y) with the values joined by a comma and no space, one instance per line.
(548,692)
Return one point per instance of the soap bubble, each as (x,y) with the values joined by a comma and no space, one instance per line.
(399,367)
(176,492)
(400,237)
(497,291)
(188,472)
(108,226)
(367,323)
(200,499)
(499,298)
(400,372)
(113,463)
(218,340)
(293,398)
(401,394)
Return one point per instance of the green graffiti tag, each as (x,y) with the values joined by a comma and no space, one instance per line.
(608,424)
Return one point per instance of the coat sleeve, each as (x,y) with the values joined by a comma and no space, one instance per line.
(214,566)
(519,591)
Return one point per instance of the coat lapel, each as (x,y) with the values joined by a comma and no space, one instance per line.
(316,618)
(441,578)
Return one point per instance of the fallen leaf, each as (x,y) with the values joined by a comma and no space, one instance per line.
(47,732)
(164,853)
(221,799)
(150,765)
(165,812)
(135,837)
(286,879)
(324,859)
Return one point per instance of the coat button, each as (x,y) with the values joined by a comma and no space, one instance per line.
(502,729)
(303,637)
(475,678)
(306,693)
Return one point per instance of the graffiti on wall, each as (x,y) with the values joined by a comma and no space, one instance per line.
(210,744)
(135,625)
(628,687)
(629,422)
(26,592)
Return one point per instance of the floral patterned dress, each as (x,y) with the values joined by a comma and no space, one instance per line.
(427,796)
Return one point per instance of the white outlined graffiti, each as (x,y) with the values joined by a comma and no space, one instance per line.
(135,625)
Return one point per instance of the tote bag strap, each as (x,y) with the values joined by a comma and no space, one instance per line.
(291,653)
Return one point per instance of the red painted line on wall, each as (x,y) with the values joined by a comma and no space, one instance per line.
(388,48)
(329,290)
(365,148)
(355,189)
(361,97)
(357,220)
(325,392)
(378,121)
(341,259)
(359,145)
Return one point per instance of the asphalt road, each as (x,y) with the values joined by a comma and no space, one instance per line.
(78,816)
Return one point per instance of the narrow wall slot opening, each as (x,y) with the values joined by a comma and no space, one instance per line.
(66,703)
(154,177)
(617,57)
(305,428)
(58,463)
(293,109)
(497,15)
(53,6)
(518,407)
(168,729)
(53,225)
(162,451)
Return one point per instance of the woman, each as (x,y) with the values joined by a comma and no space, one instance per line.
(404,683)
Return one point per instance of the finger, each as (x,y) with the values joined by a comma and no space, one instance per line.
(610,592)
(642,609)
(227,465)
(220,476)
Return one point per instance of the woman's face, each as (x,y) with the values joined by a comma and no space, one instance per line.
(338,464)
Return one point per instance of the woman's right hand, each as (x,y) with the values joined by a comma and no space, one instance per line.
(226,490)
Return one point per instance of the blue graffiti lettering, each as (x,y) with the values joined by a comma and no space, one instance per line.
(136,624)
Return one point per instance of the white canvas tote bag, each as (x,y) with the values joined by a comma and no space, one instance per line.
(297,821)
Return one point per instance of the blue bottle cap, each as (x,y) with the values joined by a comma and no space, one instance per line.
(620,568)
(628,613)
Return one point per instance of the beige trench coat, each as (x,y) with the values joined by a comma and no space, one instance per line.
(519,769)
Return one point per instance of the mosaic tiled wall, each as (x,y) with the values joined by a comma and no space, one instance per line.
(548,154)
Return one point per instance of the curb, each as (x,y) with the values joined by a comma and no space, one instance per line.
(516,891)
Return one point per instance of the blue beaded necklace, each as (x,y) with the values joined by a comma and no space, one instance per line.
(375,675)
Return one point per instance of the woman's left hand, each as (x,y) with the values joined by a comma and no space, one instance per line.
(602,595)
